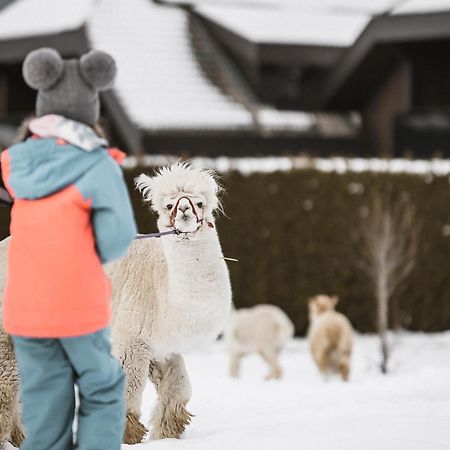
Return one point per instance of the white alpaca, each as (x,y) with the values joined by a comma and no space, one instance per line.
(263,329)
(169,295)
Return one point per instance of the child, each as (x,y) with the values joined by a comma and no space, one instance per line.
(71,214)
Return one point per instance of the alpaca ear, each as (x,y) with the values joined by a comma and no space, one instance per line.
(215,181)
(144,184)
(42,68)
(98,69)
(212,186)
(334,300)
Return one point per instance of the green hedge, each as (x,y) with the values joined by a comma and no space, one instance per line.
(293,234)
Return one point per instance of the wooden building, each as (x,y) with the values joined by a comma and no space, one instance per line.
(198,77)
(178,90)
(395,73)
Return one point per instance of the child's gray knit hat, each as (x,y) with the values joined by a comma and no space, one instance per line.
(69,87)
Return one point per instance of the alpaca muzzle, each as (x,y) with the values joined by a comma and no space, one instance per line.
(173,218)
(185,208)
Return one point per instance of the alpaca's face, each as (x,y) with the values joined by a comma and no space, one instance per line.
(186,211)
(321,304)
(183,197)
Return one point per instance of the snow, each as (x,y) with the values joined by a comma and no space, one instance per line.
(25,18)
(272,119)
(268,164)
(367,6)
(409,409)
(422,6)
(289,26)
(160,83)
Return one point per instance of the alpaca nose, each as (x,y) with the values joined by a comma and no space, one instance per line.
(184,208)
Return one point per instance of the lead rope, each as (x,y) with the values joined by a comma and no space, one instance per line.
(6,200)
(158,235)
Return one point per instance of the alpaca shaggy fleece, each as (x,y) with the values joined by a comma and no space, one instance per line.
(170,295)
(10,425)
(262,329)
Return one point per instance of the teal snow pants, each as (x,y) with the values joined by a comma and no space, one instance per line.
(49,369)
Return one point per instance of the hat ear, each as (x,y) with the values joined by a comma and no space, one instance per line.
(98,69)
(42,68)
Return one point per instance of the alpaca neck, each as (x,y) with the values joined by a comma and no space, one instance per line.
(199,293)
(193,266)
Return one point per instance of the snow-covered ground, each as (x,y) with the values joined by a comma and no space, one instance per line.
(407,410)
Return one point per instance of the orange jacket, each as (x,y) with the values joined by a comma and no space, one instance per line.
(71,214)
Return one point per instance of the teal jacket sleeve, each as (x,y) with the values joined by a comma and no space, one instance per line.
(112,214)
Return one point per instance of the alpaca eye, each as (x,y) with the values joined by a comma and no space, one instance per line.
(200,204)
(169,206)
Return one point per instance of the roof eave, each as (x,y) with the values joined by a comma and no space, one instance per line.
(277,53)
(380,34)
(67,43)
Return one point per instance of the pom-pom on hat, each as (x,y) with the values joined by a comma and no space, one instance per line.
(69,87)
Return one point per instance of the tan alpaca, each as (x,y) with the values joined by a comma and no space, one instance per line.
(330,336)
(263,329)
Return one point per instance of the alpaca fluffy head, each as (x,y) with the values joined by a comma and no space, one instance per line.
(321,304)
(168,188)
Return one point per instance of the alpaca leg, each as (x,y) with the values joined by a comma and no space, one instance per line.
(17,431)
(321,359)
(272,360)
(235,364)
(171,381)
(17,434)
(6,417)
(11,428)
(344,366)
(135,359)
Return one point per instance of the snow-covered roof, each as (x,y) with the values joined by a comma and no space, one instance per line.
(26,18)
(306,22)
(289,26)
(160,84)
(274,121)
(422,6)
(366,6)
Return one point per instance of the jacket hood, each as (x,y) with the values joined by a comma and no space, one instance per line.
(40,167)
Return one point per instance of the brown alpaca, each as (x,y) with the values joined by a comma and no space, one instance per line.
(330,336)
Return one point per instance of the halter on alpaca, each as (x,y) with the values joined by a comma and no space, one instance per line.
(173,215)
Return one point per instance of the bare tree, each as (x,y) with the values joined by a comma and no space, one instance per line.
(389,241)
